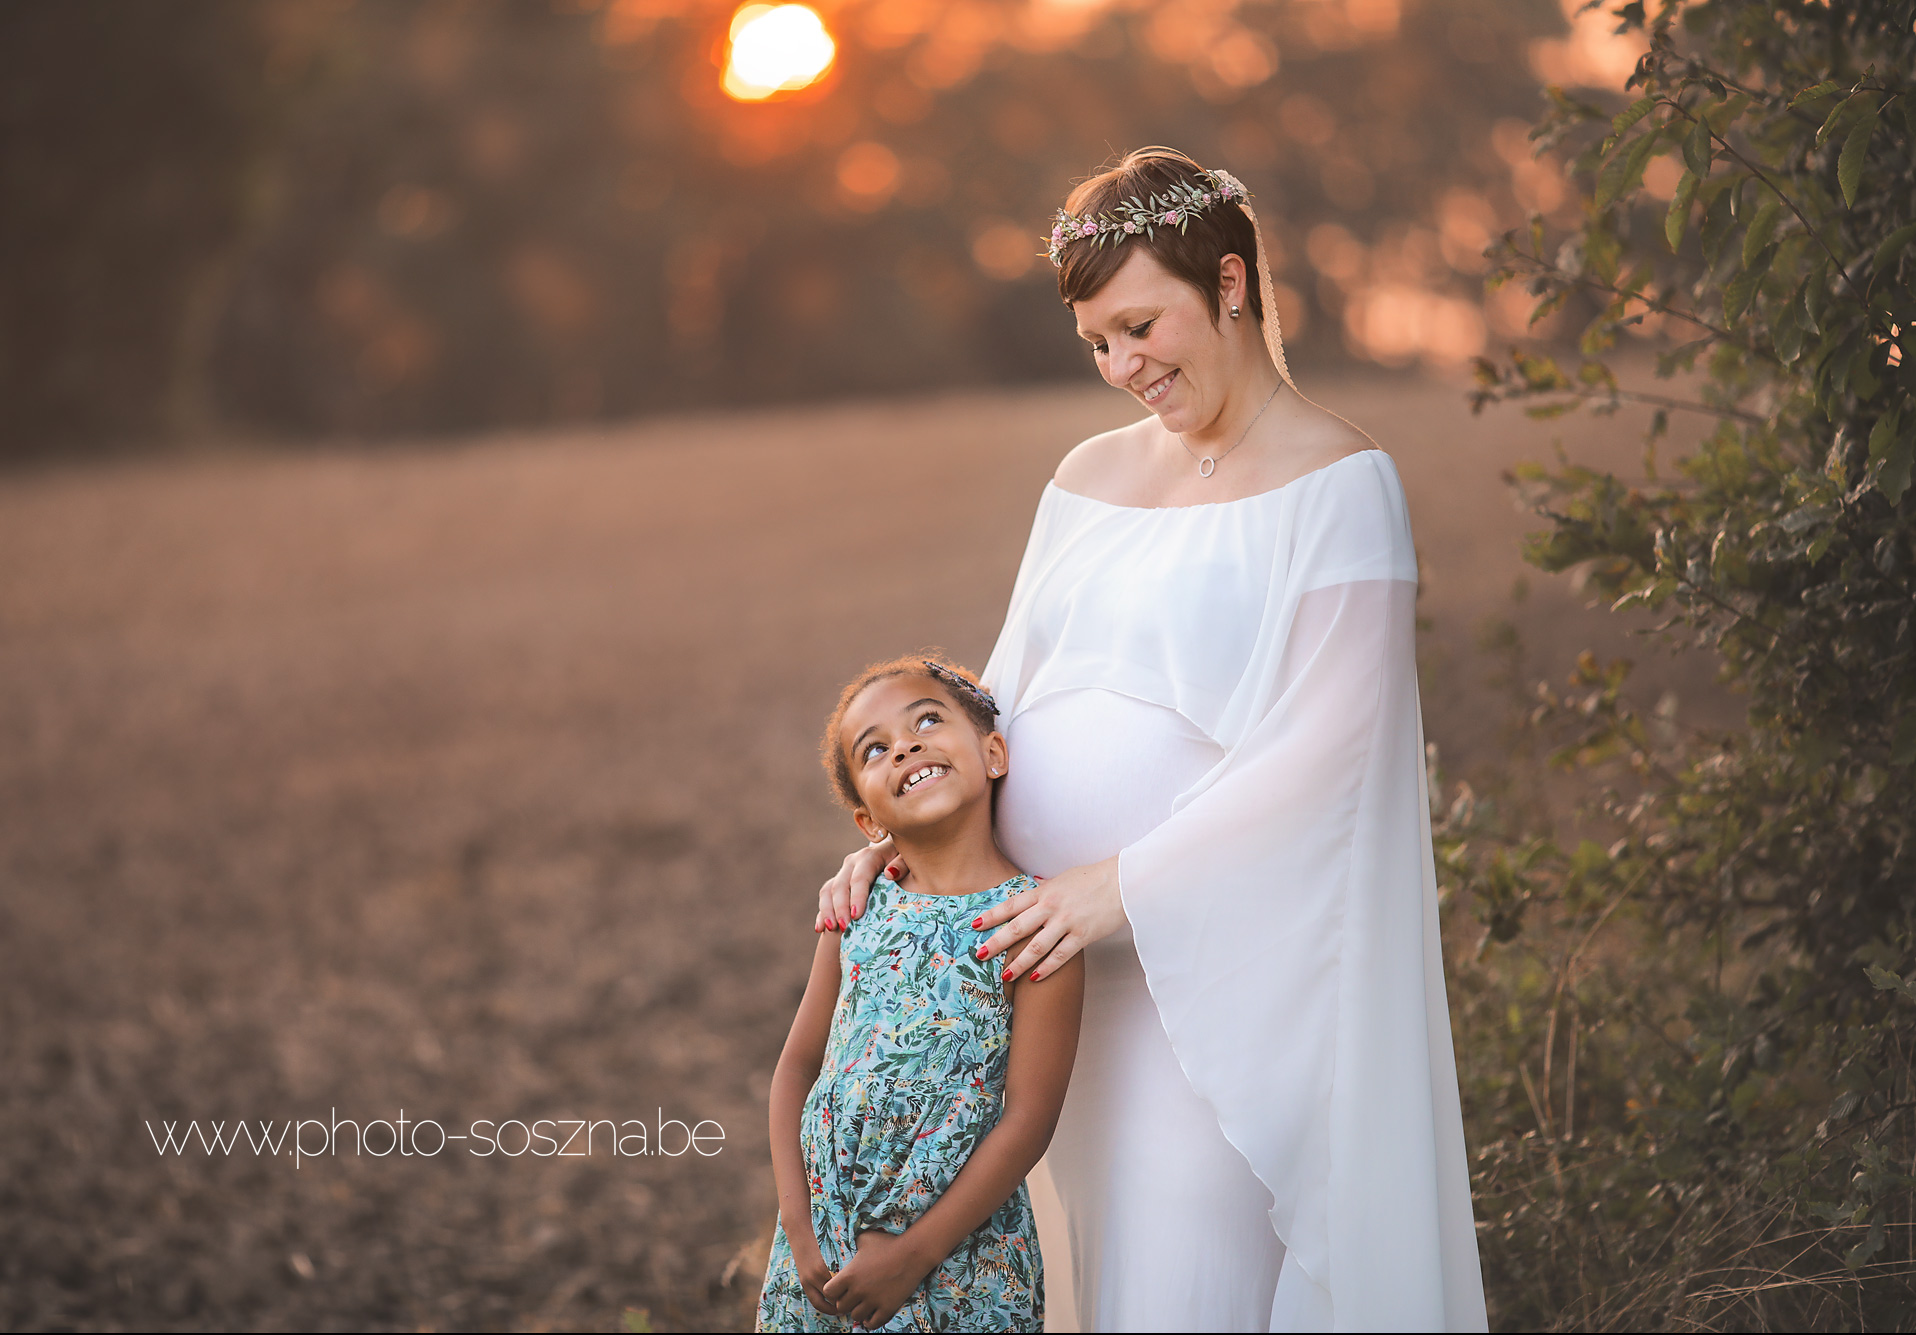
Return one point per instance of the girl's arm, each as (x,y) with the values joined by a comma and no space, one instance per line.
(792,1081)
(1044,1043)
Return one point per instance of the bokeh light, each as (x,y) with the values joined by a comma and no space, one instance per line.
(867,176)
(776,49)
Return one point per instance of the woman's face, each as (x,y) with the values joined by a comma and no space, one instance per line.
(1153,337)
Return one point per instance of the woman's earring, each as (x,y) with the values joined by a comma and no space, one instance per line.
(1235,312)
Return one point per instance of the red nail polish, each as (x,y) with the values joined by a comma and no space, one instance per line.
(1034,975)
(981,952)
(979,923)
(1008,975)
(892,872)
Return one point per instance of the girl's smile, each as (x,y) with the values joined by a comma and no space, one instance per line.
(919,777)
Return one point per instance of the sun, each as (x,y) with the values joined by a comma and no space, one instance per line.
(776,49)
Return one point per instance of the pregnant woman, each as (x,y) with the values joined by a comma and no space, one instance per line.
(1209,690)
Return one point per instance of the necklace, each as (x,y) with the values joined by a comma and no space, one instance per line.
(1207,464)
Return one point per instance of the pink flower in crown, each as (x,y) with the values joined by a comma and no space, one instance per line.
(1089,229)
(1130,227)
(1170,218)
(1057,233)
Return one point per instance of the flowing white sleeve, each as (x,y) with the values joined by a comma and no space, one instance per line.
(1286,918)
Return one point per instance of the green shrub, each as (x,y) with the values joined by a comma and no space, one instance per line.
(1686,1037)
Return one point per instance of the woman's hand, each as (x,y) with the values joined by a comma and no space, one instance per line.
(842,898)
(1061,916)
(813,1274)
(879,1279)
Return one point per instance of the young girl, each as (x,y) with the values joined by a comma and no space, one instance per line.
(918,1086)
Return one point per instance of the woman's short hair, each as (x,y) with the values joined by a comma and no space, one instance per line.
(1192,254)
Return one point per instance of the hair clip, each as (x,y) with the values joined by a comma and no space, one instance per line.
(962,683)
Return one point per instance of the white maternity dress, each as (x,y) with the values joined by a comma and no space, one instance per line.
(1262,1130)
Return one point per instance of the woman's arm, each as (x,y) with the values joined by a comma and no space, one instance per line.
(792,1081)
(842,898)
(1044,1044)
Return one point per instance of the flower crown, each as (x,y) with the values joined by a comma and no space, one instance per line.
(1172,208)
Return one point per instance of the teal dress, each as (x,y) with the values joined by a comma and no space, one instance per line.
(913,1079)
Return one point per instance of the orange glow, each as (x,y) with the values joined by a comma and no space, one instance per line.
(867,176)
(1004,249)
(776,49)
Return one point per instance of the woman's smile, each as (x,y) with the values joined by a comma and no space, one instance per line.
(1158,388)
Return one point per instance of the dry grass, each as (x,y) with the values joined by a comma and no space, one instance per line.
(479,781)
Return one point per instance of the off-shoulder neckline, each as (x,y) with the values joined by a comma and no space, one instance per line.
(1052,485)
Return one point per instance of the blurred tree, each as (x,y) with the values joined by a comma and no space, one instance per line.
(130,136)
(1731,967)
(316,217)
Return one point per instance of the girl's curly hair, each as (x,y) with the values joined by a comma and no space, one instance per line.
(957,684)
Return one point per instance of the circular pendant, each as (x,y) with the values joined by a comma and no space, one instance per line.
(1207,466)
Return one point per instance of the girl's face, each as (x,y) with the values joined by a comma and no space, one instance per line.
(915,758)
(1152,335)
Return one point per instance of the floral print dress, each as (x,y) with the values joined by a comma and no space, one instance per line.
(913,1079)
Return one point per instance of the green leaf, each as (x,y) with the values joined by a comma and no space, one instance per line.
(1738,294)
(1885,981)
(1849,165)
(1696,148)
(1679,214)
(1786,331)
(1716,227)
(1601,251)
(1862,379)
(1762,228)
(1835,118)
(1629,116)
(1810,94)
(1897,450)
(1892,248)
(1816,295)
(1872,1243)
(1621,174)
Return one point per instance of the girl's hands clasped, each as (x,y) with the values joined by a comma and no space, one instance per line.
(879,1279)
(1059,916)
(813,1273)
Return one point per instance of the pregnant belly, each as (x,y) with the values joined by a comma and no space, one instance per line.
(1091,772)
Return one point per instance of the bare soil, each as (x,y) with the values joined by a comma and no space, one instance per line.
(478,781)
